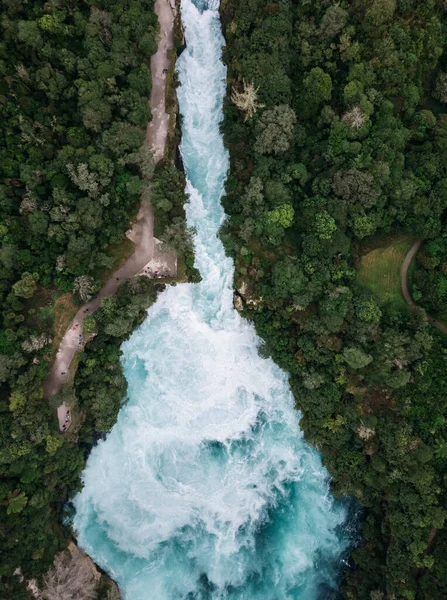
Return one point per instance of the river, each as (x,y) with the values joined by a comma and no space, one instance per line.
(205,488)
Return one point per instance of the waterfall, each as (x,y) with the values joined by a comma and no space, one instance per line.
(205,488)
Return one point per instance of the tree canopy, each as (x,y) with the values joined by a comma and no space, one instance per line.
(349,147)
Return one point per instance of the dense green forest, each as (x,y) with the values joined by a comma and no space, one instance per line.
(430,278)
(336,123)
(74,85)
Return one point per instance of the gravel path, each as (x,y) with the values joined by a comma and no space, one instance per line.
(404,273)
(142,234)
(157,130)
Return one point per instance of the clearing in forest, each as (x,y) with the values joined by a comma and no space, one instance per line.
(379,268)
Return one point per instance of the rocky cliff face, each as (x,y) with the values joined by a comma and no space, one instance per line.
(75,575)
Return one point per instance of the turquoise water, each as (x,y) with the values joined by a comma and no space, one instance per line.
(205,488)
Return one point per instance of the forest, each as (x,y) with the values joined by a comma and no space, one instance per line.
(336,124)
(430,278)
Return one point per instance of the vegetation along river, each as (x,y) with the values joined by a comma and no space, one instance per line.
(205,488)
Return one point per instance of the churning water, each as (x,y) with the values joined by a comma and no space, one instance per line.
(205,488)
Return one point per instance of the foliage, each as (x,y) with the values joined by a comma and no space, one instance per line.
(430,278)
(352,137)
(246,100)
(179,236)
(16,502)
(100,386)
(168,198)
(84,286)
(275,129)
(73,112)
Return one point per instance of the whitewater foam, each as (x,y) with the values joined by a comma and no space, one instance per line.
(205,488)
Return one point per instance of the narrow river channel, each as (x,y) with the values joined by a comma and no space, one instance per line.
(205,488)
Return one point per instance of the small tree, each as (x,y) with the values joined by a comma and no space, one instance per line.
(179,236)
(16,502)
(28,204)
(275,130)
(22,72)
(61,261)
(24,288)
(334,19)
(356,358)
(325,225)
(84,286)
(83,179)
(318,86)
(364,226)
(8,366)
(247,100)
(381,11)
(354,117)
(355,186)
(440,91)
(281,215)
(35,343)
(368,311)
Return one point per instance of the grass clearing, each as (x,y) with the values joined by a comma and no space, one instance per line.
(74,366)
(64,311)
(379,269)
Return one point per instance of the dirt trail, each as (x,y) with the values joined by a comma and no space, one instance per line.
(142,234)
(404,284)
(404,273)
(157,130)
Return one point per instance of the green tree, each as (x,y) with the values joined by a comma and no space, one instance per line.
(356,358)
(275,130)
(16,502)
(179,236)
(290,281)
(334,19)
(381,11)
(356,187)
(24,288)
(364,225)
(317,88)
(281,215)
(368,311)
(325,225)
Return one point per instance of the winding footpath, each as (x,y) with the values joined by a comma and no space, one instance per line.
(404,284)
(147,252)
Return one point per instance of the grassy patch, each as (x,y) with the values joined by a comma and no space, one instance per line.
(74,366)
(379,269)
(64,311)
